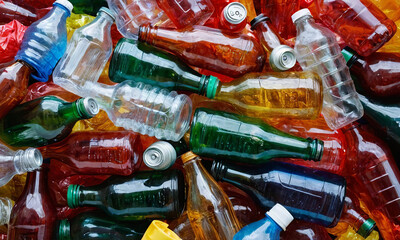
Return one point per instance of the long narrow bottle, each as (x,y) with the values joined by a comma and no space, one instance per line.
(209,210)
(321,54)
(110,152)
(33,215)
(18,162)
(203,47)
(87,54)
(308,194)
(145,195)
(44,120)
(94,225)
(230,136)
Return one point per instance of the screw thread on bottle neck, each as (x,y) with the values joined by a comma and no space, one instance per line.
(28,160)
(218,170)
(73,196)
(317,149)
(64,230)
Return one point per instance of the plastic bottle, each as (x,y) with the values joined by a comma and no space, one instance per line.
(90,7)
(378,73)
(18,162)
(268,228)
(50,31)
(159,231)
(230,16)
(94,225)
(33,215)
(113,153)
(6,205)
(223,135)
(204,47)
(308,194)
(361,24)
(76,21)
(10,11)
(145,195)
(321,53)
(350,234)
(268,95)
(130,15)
(143,108)
(373,170)
(13,85)
(87,54)
(210,212)
(42,89)
(187,13)
(44,120)
(11,35)
(281,57)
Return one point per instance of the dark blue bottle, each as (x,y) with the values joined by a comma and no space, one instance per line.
(268,228)
(45,41)
(308,194)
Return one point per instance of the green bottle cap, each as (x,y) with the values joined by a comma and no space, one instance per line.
(366,228)
(212,86)
(317,149)
(73,196)
(64,230)
(349,55)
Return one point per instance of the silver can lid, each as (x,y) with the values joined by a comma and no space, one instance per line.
(160,155)
(282,58)
(91,106)
(235,13)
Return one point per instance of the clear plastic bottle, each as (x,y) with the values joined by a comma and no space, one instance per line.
(45,41)
(87,53)
(316,50)
(6,205)
(143,108)
(18,162)
(130,14)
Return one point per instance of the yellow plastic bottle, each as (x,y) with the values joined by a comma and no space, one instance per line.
(159,231)
(350,234)
(274,94)
(209,209)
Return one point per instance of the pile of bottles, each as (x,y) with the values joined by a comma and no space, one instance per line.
(199,119)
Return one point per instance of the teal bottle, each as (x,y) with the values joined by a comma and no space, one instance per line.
(145,195)
(44,121)
(90,7)
(94,225)
(133,60)
(222,135)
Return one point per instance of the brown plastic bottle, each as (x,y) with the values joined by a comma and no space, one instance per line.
(13,85)
(209,48)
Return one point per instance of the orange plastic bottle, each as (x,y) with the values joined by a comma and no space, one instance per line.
(204,47)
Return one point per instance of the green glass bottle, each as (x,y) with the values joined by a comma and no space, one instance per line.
(133,60)
(94,225)
(222,135)
(44,120)
(90,7)
(145,195)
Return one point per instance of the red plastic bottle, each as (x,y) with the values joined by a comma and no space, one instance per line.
(10,11)
(370,165)
(33,215)
(204,47)
(11,35)
(360,23)
(113,153)
(41,89)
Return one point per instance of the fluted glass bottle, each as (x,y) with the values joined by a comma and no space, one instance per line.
(230,136)
(210,212)
(87,54)
(109,152)
(44,120)
(145,195)
(204,47)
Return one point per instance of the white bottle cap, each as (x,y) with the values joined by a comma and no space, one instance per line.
(280,215)
(301,13)
(66,4)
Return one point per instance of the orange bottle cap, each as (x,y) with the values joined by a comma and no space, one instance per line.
(159,231)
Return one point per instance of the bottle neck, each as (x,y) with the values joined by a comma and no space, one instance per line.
(104,21)
(102,93)
(83,196)
(302,22)
(211,85)
(27,160)
(64,230)
(60,12)
(221,172)
(350,56)
(35,182)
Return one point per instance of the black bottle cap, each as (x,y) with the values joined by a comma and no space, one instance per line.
(257,20)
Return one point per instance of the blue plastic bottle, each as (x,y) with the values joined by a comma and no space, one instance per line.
(308,194)
(45,41)
(268,228)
